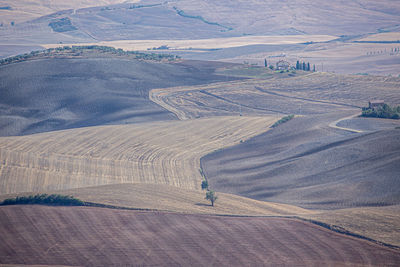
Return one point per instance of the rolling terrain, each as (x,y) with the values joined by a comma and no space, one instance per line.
(134,135)
(59,93)
(159,152)
(97,236)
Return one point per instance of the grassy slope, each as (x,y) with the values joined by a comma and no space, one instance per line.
(174,199)
(160,152)
(103,237)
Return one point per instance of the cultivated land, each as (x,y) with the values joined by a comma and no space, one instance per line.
(326,165)
(50,94)
(51,235)
(160,153)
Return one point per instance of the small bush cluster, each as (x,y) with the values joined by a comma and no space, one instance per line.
(384,111)
(283,120)
(80,50)
(45,199)
(62,25)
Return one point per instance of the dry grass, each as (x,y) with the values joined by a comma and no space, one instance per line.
(213,43)
(379,223)
(174,199)
(161,153)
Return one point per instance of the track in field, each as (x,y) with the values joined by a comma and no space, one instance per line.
(101,237)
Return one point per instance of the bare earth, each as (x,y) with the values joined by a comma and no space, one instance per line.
(100,237)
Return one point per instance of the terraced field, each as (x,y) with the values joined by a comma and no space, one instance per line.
(161,153)
(96,236)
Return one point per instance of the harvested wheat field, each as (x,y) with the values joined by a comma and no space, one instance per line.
(101,237)
(314,93)
(160,153)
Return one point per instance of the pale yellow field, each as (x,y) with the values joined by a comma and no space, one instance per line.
(23,10)
(213,43)
(160,153)
(385,36)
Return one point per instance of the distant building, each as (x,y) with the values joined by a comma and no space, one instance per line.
(376,103)
(282,65)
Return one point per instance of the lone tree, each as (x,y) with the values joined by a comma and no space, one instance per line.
(210,195)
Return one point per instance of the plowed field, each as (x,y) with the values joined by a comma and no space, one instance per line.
(103,237)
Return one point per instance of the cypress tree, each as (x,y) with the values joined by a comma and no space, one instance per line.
(265,62)
(304,66)
(308,66)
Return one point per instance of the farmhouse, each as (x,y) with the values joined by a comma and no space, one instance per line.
(376,103)
(282,65)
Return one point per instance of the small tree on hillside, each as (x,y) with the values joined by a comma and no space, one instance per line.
(210,195)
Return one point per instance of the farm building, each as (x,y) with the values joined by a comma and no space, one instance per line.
(282,65)
(376,103)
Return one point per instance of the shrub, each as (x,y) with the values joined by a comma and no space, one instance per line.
(283,120)
(384,111)
(54,199)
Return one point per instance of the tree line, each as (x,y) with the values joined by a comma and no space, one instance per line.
(80,50)
(304,66)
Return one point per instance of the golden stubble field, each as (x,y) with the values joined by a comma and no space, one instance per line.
(162,153)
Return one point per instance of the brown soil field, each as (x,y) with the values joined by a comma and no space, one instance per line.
(100,237)
(173,199)
(160,152)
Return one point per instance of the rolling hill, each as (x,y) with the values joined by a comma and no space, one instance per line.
(156,152)
(59,93)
